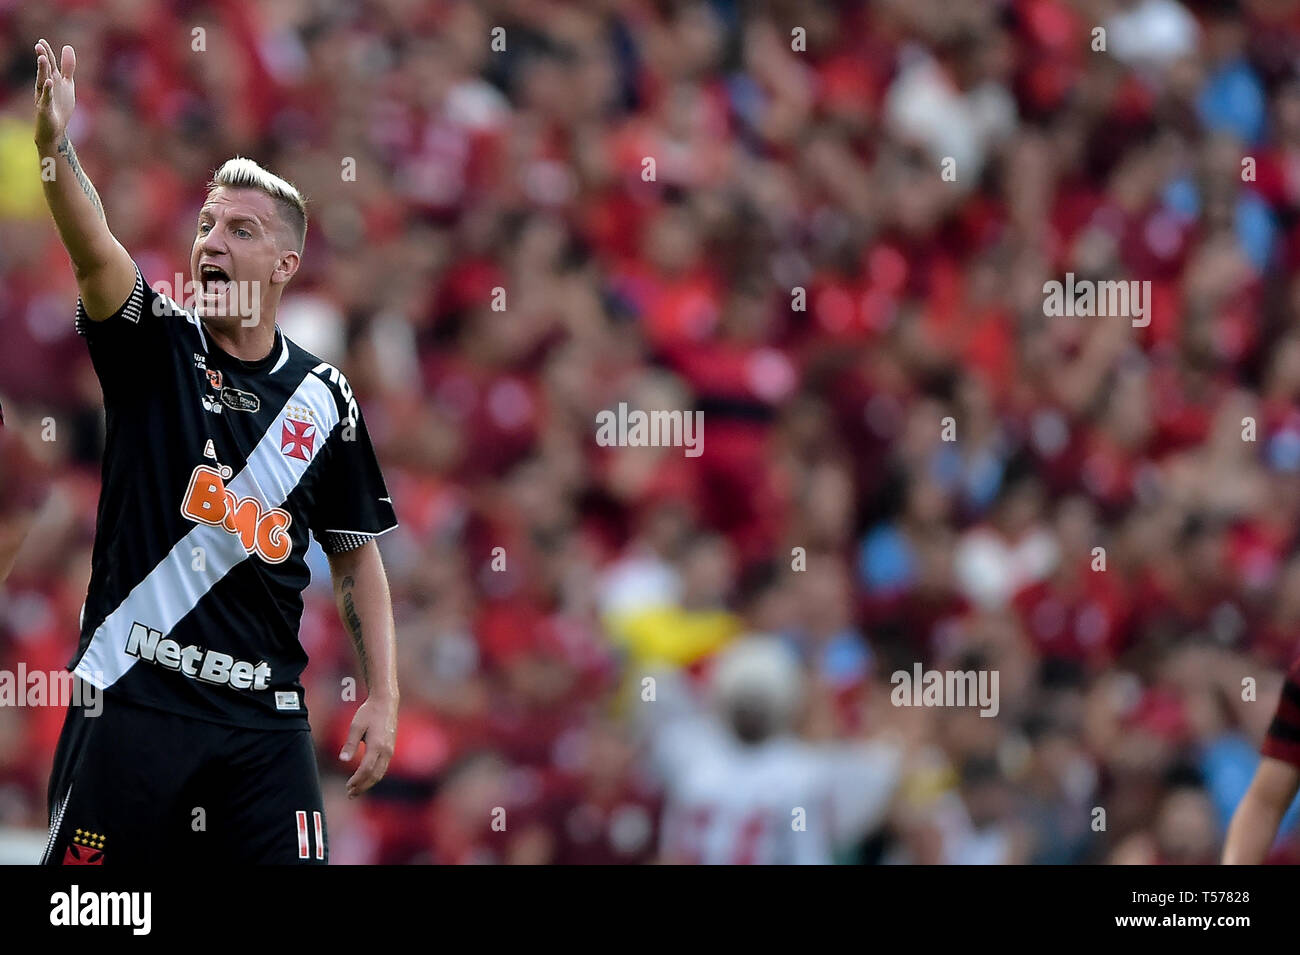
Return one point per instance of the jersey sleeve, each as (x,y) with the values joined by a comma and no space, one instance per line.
(1283,738)
(126,344)
(353,505)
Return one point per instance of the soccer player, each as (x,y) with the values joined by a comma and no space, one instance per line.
(1255,823)
(227,446)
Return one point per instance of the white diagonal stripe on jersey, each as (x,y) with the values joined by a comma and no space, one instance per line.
(174,588)
(269,474)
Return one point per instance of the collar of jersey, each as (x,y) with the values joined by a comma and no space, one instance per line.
(272,363)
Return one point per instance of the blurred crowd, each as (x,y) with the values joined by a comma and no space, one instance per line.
(1112,529)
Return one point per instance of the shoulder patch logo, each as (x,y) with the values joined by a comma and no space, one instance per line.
(298,440)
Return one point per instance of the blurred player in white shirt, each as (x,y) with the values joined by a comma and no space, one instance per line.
(740,788)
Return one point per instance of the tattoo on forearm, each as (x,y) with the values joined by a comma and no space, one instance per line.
(65,149)
(353,621)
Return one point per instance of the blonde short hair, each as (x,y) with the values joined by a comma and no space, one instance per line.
(241,173)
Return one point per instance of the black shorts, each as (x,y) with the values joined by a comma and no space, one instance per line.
(142,786)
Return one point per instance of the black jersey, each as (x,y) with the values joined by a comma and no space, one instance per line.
(215,473)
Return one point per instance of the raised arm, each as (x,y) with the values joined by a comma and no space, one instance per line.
(104,270)
(366,608)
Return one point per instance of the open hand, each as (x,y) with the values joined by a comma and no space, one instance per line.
(55,94)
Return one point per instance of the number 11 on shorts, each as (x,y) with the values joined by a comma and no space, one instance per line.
(304,844)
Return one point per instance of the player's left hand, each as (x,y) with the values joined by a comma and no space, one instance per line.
(376,725)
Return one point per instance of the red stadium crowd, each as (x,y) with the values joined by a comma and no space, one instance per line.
(840,260)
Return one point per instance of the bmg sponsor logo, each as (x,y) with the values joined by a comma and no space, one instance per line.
(264,532)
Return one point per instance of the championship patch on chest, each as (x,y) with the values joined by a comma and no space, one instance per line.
(238,400)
